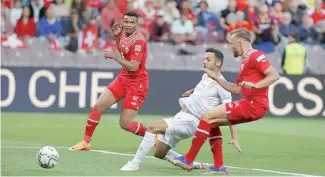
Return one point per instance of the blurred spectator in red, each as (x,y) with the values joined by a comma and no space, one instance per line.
(109,15)
(230,9)
(37,10)
(286,27)
(183,31)
(89,39)
(160,30)
(49,26)
(15,12)
(94,4)
(307,32)
(251,11)
(48,3)
(242,4)
(277,12)
(26,25)
(232,22)
(319,13)
(149,11)
(187,10)
(170,12)
(6,3)
(264,25)
(60,9)
(122,5)
(6,26)
(83,10)
(241,22)
(144,26)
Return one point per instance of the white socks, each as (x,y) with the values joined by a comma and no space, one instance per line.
(147,143)
(173,154)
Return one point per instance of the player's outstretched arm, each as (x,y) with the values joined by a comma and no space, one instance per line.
(271,75)
(230,87)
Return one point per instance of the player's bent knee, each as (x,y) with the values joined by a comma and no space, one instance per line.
(157,127)
(153,129)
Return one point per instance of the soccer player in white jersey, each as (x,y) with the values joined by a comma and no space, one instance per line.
(206,95)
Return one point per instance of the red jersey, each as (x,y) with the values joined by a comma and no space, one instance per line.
(254,63)
(134,47)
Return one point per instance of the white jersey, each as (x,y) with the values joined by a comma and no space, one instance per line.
(207,95)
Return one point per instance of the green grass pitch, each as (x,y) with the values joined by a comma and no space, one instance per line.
(283,145)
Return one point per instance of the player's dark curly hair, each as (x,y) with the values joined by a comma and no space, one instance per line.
(131,13)
(217,53)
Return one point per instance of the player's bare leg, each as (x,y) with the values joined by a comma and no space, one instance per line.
(128,123)
(215,116)
(105,101)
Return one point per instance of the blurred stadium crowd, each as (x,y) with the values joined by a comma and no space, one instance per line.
(86,24)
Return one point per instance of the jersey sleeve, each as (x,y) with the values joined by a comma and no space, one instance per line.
(138,50)
(261,63)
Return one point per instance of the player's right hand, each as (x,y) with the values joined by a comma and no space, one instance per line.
(236,144)
(187,93)
(117,29)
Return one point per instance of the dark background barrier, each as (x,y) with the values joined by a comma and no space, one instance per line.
(27,89)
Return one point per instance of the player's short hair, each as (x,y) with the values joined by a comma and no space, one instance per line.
(131,13)
(242,33)
(217,53)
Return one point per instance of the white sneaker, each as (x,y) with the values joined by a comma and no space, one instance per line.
(130,167)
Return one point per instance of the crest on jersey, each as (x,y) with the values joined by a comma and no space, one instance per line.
(137,48)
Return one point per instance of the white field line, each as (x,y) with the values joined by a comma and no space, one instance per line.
(151,157)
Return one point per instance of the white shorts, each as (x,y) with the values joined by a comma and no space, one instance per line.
(181,126)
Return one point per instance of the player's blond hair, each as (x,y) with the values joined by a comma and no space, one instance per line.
(242,33)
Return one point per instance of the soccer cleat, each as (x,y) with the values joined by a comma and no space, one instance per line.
(81,146)
(199,165)
(220,171)
(130,167)
(196,165)
(169,159)
(183,163)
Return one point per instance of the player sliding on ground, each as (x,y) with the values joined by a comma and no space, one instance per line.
(255,76)
(131,84)
(206,95)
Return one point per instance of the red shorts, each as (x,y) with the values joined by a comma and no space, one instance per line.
(244,110)
(134,93)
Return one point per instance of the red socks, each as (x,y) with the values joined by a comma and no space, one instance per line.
(201,135)
(215,140)
(94,118)
(137,128)
(92,122)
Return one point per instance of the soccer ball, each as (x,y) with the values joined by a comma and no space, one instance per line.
(47,157)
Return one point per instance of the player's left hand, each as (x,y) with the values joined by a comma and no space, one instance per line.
(236,144)
(111,54)
(248,84)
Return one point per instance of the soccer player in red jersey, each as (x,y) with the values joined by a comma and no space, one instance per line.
(254,78)
(131,84)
